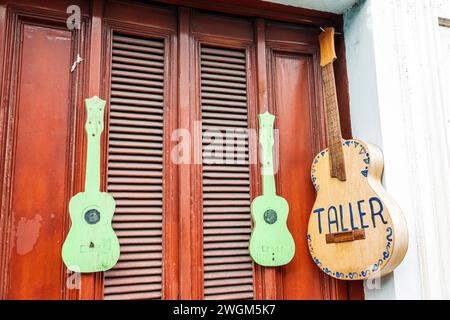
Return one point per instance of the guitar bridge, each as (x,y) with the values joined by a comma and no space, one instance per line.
(350,236)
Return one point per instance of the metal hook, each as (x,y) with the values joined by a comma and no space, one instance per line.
(336,33)
(76,63)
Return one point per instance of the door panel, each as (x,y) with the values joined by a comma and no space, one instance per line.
(135,166)
(228,270)
(226,108)
(39,147)
(296,99)
(293,85)
(140,85)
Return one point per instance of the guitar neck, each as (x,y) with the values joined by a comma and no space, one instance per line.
(337,161)
(266,140)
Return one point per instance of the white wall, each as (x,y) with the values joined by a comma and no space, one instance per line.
(444,58)
(397,93)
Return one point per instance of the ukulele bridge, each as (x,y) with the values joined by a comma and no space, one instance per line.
(350,236)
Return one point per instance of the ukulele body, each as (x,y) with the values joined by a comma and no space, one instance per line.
(91,244)
(271,244)
(356,230)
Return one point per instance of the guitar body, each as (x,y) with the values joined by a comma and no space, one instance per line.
(356,230)
(271,243)
(91,244)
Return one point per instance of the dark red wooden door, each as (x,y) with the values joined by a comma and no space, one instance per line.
(293,85)
(295,98)
(39,100)
(184,226)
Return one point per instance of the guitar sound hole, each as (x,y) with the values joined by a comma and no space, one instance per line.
(270,216)
(92,216)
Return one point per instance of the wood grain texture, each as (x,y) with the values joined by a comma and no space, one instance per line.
(267,276)
(358,203)
(188,288)
(92,283)
(39,97)
(334,135)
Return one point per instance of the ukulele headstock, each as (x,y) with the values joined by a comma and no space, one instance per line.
(327,48)
(95,108)
(266,121)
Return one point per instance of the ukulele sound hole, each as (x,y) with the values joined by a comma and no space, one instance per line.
(92,216)
(270,216)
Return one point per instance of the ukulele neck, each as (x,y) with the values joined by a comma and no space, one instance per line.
(337,160)
(92,182)
(269,184)
(266,140)
(95,108)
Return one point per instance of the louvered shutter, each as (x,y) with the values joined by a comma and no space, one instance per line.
(228,269)
(135,166)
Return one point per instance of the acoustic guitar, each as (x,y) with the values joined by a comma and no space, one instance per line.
(356,230)
(271,243)
(91,244)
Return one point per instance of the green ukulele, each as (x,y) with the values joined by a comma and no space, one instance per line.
(92,245)
(271,244)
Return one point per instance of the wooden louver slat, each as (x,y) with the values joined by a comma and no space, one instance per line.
(135,166)
(228,269)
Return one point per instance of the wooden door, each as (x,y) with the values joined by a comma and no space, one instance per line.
(226,109)
(243,67)
(295,100)
(39,102)
(184,224)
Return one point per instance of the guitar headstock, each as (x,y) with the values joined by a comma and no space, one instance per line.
(95,108)
(327,48)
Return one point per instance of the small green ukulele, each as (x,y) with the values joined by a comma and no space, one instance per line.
(92,245)
(271,243)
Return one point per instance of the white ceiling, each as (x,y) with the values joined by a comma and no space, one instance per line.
(335,6)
